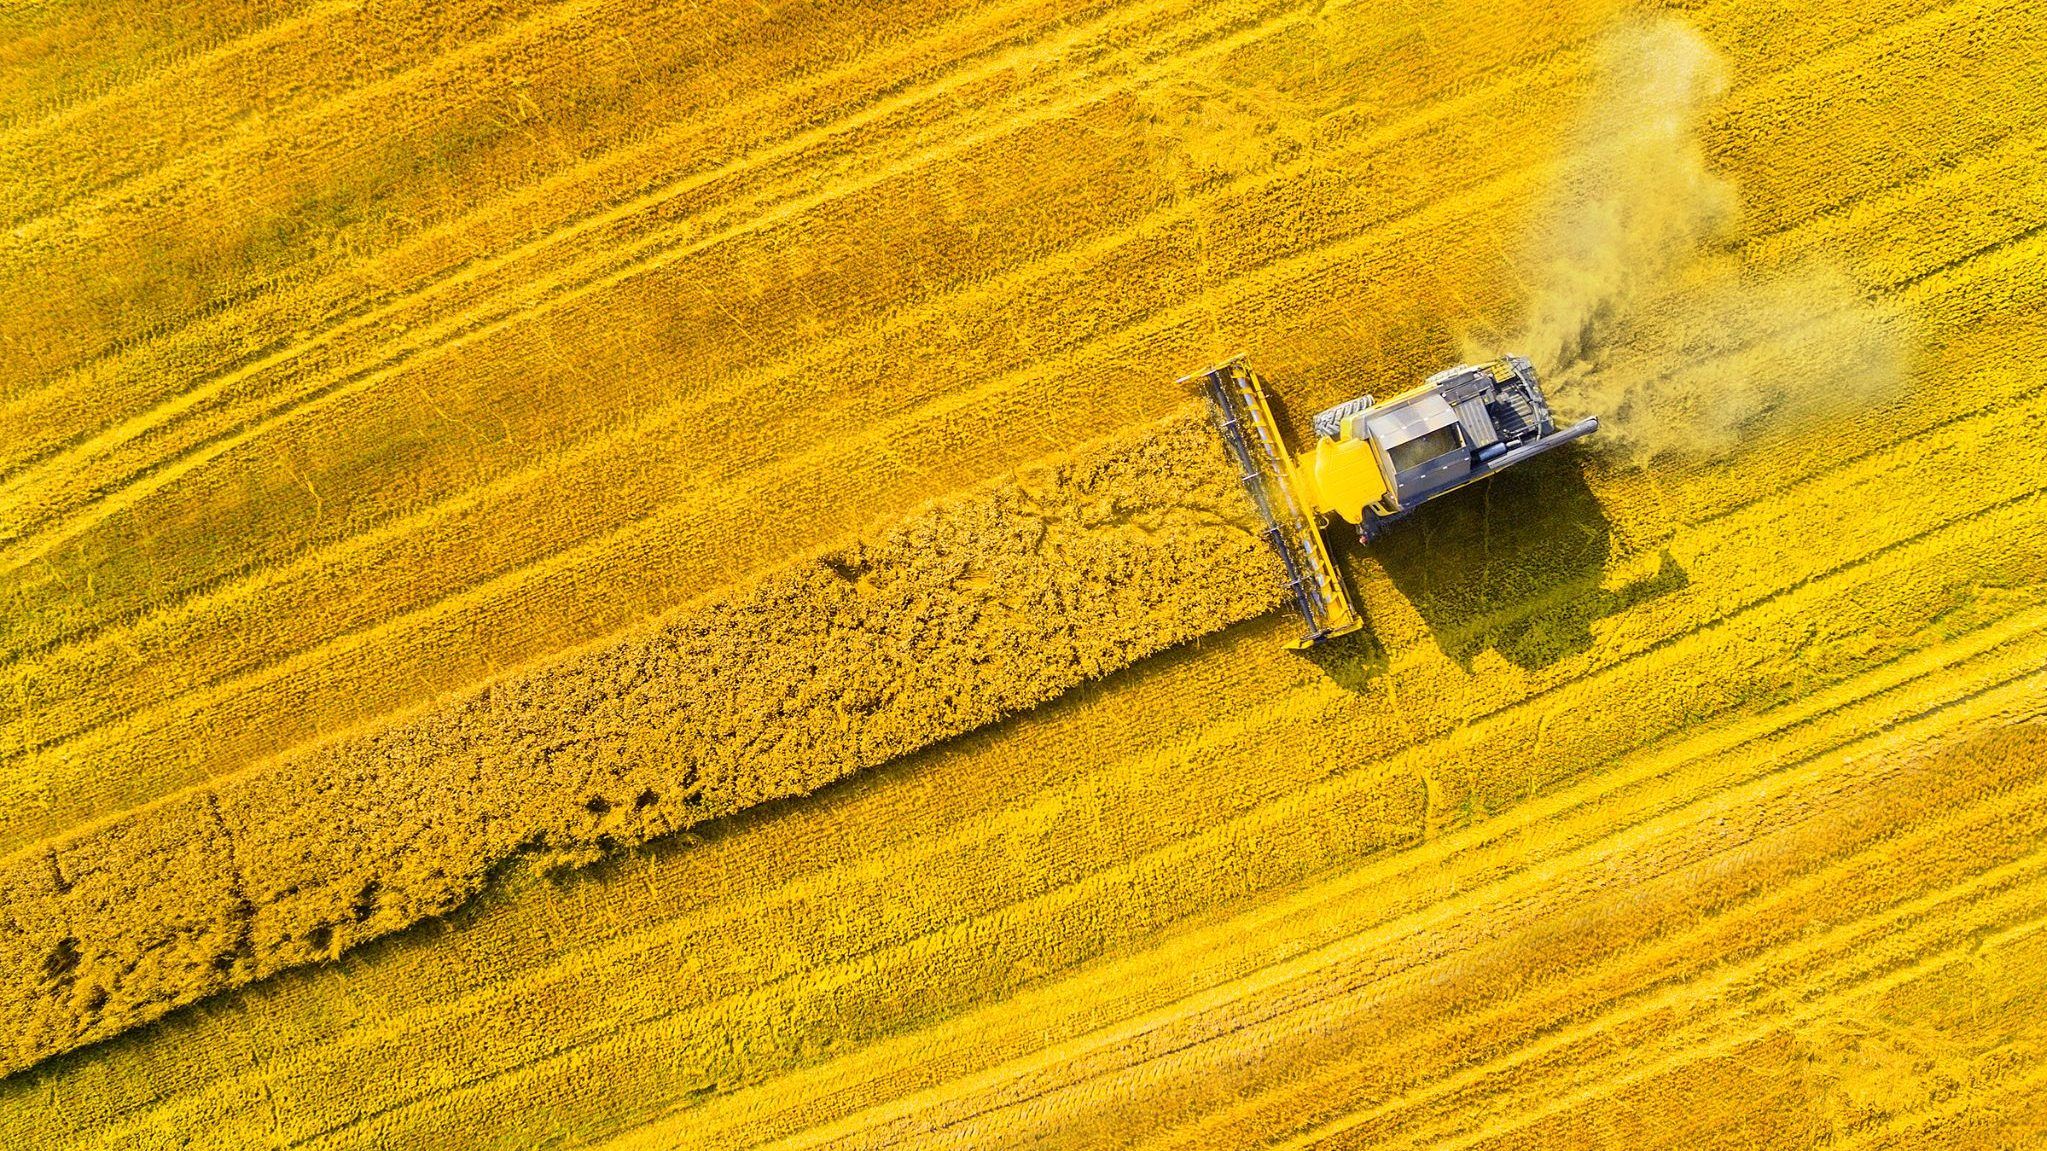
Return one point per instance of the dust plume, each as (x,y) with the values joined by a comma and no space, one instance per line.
(1725,357)
(1642,314)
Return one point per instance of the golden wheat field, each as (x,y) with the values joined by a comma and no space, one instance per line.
(606,573)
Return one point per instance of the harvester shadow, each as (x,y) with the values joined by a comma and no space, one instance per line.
(1515,564)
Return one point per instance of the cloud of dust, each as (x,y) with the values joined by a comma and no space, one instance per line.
(1640,312)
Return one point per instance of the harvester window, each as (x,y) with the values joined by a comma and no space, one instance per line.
(1423,448)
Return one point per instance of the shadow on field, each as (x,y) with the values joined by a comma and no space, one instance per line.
(1513,564)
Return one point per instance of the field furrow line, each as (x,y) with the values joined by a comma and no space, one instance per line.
(468,81)
(1992,904)
(607,270)
(1227,1018)
(162,52)
(626,181)
(121,136)
(1926,937)
(1886,141)
(1690,1009)
(637,177)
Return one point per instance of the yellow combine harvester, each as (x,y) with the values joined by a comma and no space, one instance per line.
(1375,463)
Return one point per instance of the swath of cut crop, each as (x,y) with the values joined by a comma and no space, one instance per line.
(973,609)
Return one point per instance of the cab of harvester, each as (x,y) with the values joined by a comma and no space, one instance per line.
(1373,463)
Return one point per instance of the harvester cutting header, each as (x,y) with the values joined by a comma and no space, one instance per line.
(1374,463)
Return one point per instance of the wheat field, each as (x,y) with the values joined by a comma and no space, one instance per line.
(598,573)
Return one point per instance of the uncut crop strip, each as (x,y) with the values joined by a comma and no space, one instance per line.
(953,618)
(622,473)
(246,726)
(1268,826)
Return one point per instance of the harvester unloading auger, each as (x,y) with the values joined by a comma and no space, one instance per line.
(1375,463)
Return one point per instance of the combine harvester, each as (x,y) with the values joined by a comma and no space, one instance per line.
(1375,463)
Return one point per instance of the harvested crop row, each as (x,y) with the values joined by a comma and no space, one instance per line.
(963,613)
(704,231)
(1818,949)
